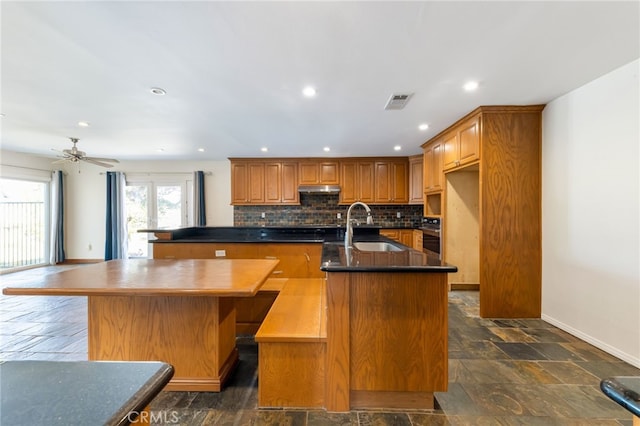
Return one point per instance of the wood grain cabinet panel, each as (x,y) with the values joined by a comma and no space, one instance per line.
(258,181)
(433,164)
(319,172)
(462,145)
(416,179)
(357,181)
(391,182)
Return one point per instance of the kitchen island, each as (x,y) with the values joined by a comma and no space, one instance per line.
(385,342)
(178,311)
(386,327)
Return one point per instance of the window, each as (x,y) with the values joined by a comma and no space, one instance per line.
(154,202)
(24,207)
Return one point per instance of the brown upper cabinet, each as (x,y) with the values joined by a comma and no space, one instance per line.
(375,181)
(257,181)
(357,181)
(319,172)
(264,182)
(247,182)
(416,190)
(433,166)
(392,182)
(462,146)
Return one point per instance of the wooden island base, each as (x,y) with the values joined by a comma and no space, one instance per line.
(194,334)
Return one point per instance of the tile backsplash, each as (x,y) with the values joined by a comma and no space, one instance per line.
(322,209)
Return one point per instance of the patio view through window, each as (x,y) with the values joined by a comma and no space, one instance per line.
(23,224)
(150,205)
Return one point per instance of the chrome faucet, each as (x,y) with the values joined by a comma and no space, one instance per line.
(348,235)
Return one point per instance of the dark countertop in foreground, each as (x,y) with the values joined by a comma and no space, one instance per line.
(78,393)
(334,258)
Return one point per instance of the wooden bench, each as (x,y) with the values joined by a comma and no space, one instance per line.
(292,346)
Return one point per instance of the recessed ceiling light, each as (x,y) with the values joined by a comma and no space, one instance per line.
(423,127)
(160,149)
(326,149)
(158,91)
(83,124)
(1,114)
(264,149)
(200,149)
(397,148)
(309,91)
(470,86)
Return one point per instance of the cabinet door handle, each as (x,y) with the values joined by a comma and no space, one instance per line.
(271,257)
(277,272)
(307,256)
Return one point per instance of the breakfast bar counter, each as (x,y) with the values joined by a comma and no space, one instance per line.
(179,311)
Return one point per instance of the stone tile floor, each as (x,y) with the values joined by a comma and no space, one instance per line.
(501,372)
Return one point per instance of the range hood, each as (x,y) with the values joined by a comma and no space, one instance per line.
(319,189)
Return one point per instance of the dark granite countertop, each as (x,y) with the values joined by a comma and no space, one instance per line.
(334,258)
(260,234)
(337,258)
(79,392)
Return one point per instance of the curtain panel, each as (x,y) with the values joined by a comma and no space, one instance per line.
(199,213)
(56,234)
(116,223)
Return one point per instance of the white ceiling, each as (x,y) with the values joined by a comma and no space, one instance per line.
(234,71)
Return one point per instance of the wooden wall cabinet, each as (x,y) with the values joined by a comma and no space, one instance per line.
(319,172)
(416,179)
(433,175)
(357,182)
(392,182)
(247,182)
(275,181)
(264,182)
(374,181)
(492,207)
(461,146)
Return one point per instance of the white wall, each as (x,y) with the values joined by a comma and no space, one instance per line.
(86,196)
(591,214)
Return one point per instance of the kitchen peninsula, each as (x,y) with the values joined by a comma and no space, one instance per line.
(178,311)
(382,340)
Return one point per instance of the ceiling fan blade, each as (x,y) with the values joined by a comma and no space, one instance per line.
(97,163)
(62,160)
(111,160)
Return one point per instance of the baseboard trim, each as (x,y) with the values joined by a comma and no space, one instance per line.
(78,261)
(628,358)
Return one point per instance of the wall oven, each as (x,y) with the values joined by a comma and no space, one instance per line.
(431,242)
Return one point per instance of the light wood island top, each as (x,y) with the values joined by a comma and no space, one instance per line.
(156,277)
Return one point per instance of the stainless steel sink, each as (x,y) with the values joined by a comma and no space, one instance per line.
(376,246)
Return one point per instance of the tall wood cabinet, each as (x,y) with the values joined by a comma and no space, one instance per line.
(492,206)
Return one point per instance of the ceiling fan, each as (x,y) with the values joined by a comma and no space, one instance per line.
(74,155)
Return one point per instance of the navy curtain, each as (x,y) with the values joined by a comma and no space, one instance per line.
(56,235)
(199,214)
(116,230)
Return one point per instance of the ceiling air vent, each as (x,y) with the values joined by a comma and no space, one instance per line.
(398,100)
